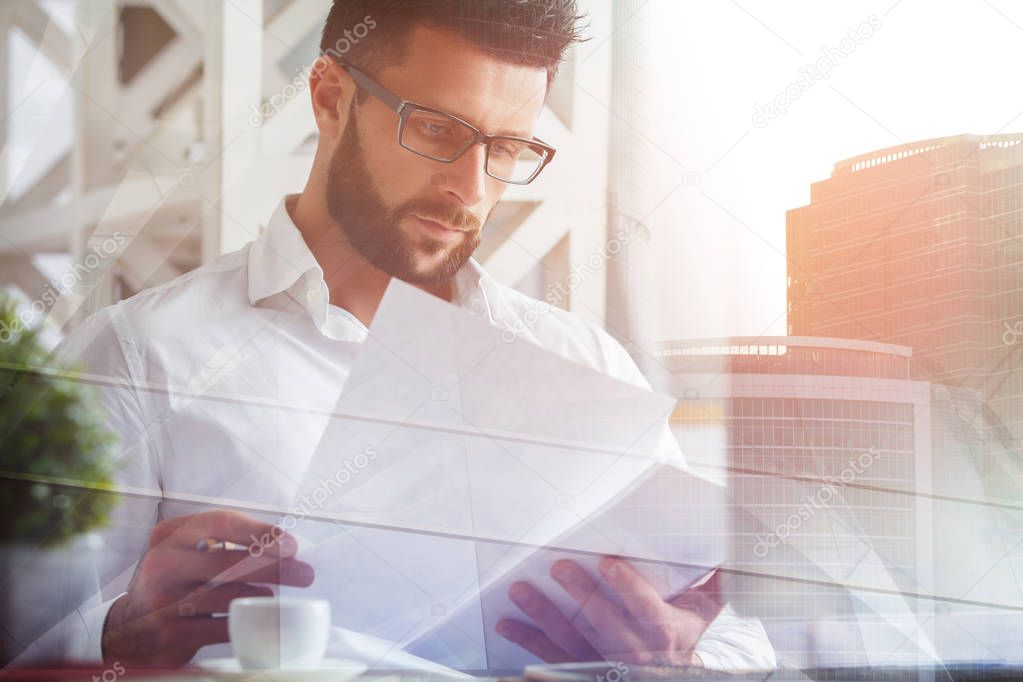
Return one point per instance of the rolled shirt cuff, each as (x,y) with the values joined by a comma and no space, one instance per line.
(733,642)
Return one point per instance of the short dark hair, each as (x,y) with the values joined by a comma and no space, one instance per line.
(528,32)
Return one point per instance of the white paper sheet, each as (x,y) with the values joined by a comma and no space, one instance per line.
(454,456)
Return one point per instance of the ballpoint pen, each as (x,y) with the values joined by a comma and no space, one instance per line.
(210,545)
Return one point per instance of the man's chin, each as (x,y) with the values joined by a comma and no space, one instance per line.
(430,268)
(429,261)
(422,261)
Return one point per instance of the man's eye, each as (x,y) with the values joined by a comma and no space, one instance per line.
(505,148)
(436,128)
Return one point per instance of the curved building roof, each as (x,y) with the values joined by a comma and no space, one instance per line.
(729,342)
(901,151)
(781,355)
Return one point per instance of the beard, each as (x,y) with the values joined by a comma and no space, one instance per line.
(374,230)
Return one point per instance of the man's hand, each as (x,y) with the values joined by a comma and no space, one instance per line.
(646,630)
(166,615)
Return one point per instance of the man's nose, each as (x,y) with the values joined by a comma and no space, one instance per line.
(466,177)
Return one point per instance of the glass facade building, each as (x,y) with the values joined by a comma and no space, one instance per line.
(921,245)
(823,445)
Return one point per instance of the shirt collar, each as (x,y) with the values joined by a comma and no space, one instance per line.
(280,259)
(474,290)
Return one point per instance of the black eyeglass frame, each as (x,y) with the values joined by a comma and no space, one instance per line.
(405,109)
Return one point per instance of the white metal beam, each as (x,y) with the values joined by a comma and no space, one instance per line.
(95,85)
(232,82)
(293,22)
(569,224)
(45,189)
(288,27)
(37,26)
(5,68)
(263,185)
(114,207)
(44,149)
(132,205)
(283,133)
(185,17)
(530,242)
(156,80)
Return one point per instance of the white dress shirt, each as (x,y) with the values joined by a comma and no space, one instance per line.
(255,330)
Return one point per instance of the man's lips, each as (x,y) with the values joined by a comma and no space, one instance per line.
(439,224)
(439,230)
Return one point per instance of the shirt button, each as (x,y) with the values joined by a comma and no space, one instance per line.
(314,295)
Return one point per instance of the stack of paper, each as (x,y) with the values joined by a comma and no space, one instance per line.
(456,463)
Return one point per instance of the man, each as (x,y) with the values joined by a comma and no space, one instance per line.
(422,124)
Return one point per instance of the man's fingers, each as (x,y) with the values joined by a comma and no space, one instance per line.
(210,600)
(233,526)
(253,570)
(532,640)
(640,598)
(552,622)
(705,600)
(190,566)
(611,627)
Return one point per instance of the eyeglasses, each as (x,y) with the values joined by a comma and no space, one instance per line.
(443,137)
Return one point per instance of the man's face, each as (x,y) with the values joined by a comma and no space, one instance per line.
(409,216)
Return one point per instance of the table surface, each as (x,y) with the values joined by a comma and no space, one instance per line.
(965,672)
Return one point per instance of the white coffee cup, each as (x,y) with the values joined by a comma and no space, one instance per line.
(276,633)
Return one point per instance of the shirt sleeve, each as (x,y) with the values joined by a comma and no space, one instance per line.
(108,359)
(733,642)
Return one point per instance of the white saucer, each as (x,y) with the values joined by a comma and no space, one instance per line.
(332,669)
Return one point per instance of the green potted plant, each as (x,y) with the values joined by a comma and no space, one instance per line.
(55,454)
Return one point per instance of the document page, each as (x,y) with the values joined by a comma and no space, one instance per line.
(454,455)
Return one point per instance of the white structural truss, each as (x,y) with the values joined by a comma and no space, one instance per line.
(137,153)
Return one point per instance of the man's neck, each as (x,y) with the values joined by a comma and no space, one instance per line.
(354,283)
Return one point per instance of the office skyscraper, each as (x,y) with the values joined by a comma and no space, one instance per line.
(921,245)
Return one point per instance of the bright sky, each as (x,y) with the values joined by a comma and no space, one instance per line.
(929,68)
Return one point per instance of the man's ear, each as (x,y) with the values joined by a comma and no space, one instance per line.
(332,94)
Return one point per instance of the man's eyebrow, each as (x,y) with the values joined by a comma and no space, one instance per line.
(513,133)
(501,133)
